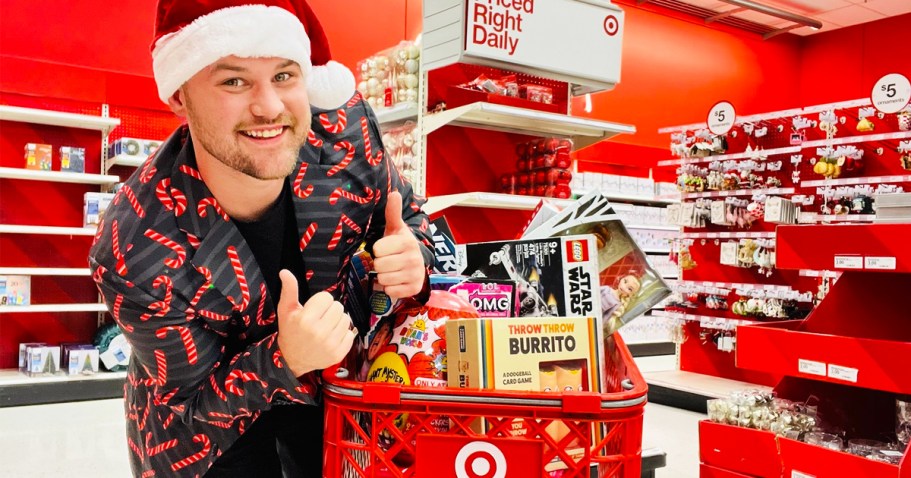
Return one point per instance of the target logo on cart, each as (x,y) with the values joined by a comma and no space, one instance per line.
(467,457)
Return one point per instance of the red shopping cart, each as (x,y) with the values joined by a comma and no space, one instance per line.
(380,430)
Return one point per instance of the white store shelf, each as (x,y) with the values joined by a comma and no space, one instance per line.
(838,217)
(53,308)
(812,273)
(617,197)
(697,383)
(488,200)
(43,271)
(57,176)
(852,181)
(47,230)
(728,235)
(857,139)
(706,321)
(584,132)
(731,285)
(652,227)
(15,377)
(57,118)
(124,160)
(756,153)
(739,192)
(397,115)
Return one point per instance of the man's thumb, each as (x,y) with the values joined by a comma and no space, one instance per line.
(394,221)
(289,299)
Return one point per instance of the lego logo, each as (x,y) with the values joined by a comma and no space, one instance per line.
(480,459)
(577,251)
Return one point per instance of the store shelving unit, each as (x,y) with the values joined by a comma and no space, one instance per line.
(739,192)
(830,354)
(44,271)
(58,118)
(487,200)
(58,176)
(397,115)
(18,389)
(52,308)
(631,198)
(124,160)
(47,230)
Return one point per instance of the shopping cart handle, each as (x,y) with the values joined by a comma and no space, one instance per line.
(627,384)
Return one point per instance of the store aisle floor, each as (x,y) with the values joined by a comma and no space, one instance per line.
(86,439)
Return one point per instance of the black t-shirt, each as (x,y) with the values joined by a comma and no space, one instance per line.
(274,241)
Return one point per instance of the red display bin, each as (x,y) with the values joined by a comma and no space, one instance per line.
(376,430)
(866,247)
(708,471)
(740,450)
(803,460)
(786,348)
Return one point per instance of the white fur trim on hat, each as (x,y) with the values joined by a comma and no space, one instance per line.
(331,86)
(249,31)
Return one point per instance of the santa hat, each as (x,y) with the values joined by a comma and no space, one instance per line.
(192,34)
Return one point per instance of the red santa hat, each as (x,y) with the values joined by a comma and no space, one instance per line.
(192,34)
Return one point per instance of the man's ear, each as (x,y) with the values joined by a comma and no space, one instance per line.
(177,102)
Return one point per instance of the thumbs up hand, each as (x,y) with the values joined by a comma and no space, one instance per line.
(312,336)
(397,255)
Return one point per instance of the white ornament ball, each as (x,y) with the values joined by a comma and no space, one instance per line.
(411,96)
(362,87)
(402,94)
(415,148)
(414,51)
(389,141)
(372,83)
(407,140)
(382,62)
(373,102)
(411,80)
(382,74)
(411,66)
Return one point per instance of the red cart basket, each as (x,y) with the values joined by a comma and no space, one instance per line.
(380,430)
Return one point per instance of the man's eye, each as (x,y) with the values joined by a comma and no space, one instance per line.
(233,82)
(283,76)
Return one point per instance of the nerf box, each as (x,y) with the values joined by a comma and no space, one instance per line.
(556,277)
(72,159)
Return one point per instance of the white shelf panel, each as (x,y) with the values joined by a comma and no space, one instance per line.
(857,139)
(839,217)
(43,271)
(728,235)
(811,273)
(739,192)
(617,197)
(725,157)
(852,181)
(731,285)
(705,321)
(652,227)
(697,383)
(488,200)
(53,308)
(15,377)
(57,176)
(57,118)
(396,115)
(47,230)
(125,160)
(584,132)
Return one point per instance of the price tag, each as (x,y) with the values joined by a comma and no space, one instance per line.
(843,373)
(891,453)
(721,118)
(849,262)
(798,474)
(890,94)
(880,263)
(811,367)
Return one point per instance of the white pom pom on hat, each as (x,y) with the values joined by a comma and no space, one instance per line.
(192,34)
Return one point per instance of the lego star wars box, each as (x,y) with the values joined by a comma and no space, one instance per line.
(555,276)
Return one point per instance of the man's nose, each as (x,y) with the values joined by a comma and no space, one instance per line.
(266,102)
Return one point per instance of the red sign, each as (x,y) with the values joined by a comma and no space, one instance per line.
(577,251)
(442,456)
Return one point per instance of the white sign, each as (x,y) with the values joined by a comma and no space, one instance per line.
(843,373)
(849,262)
(880,263)
(811,367)
(891,93)
(551,35)
(721,118)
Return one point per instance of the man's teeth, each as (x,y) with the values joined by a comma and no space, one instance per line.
(268,133)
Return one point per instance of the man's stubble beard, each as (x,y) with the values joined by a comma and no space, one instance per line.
(234,157)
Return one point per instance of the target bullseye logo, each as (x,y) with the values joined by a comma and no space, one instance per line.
(611,25)
(480,459)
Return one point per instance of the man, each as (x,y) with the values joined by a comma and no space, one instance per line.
(224,258)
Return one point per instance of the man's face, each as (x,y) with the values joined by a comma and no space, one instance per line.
(252,114)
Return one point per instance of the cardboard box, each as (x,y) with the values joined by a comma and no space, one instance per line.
(556,277)
(491,297)
(72,159)
(38,156)
(43,360)
(23,354)
(15,290)
(81,360)
(94,206)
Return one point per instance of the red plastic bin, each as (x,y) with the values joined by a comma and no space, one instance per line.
(365,436)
